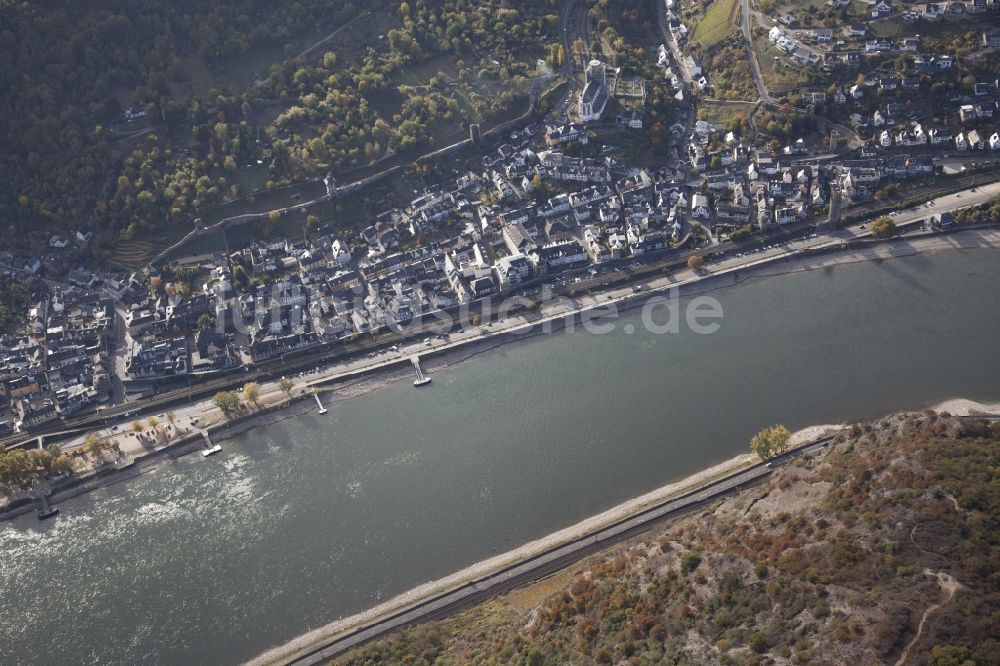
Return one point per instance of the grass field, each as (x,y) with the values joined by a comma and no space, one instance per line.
(134,253)
(238,72)
(779,73)
(721,114)
(418,74)
(201,79)
(526,598)
(889,27)
(716,23)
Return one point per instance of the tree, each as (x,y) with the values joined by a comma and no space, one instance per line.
(227,401)
(240,277)
(92,444)
(20,467)
(137,427)
(152,421)
(312,223)
(59,462)
(251,392)
(285,384)
(770,442)
(883,227)
(695,262)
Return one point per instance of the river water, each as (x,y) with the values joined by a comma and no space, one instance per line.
(211,561)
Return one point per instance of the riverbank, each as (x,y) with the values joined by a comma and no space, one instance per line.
(336,390)
(706,283)
(284,653)
(326,635)
(332,514)
(965,407)
(780,536)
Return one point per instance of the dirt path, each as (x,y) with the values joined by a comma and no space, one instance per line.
(950,586)
(316,45)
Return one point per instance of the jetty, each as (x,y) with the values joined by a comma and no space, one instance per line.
(45,509)
(422,379)
(210,449)
(322,409)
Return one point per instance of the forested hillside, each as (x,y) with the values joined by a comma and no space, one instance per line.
(70,70)
(71,157)
(887,545)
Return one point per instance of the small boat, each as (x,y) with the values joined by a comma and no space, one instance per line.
(49,512)
(423,381)
(211,451)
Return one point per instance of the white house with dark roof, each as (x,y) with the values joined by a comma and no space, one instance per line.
(700,206)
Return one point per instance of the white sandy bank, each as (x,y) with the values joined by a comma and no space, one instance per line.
(964,407)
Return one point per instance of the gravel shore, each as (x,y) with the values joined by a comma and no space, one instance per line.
(964,407)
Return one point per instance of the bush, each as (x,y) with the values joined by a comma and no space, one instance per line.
(758,642)
(950,655)
(741,233)
(883,227)
(690,561)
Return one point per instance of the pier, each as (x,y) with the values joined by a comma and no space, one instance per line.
(322,409)
(210,449)
(45,509)
(421,379)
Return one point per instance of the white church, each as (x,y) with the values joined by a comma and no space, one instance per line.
(595,96)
